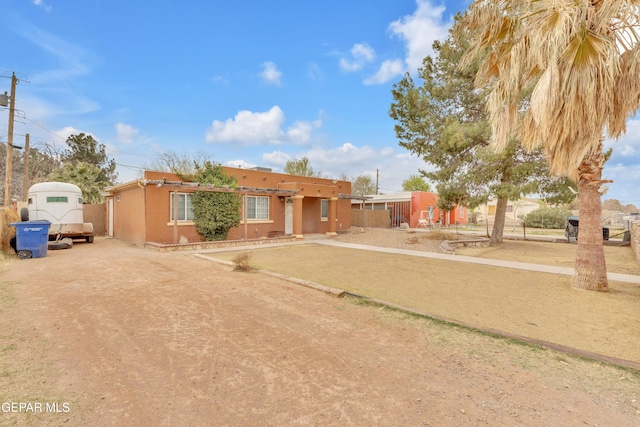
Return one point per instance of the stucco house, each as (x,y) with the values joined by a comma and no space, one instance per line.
(158,209)
(514,209)
(413,208)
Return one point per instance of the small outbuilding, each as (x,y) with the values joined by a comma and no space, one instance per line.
(414,208)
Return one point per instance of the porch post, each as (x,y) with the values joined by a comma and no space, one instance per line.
(244,214)
(297,216)
(175,216)
(333,216)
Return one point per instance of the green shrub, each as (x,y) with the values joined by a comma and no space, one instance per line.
(215,213)
(547,217)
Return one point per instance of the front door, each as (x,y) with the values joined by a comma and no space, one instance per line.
(288,216)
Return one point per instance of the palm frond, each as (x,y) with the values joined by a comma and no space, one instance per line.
(582,60)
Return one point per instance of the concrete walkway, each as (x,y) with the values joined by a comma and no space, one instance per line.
(629,278)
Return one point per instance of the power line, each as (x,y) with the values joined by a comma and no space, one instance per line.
(131,166)
(45,128)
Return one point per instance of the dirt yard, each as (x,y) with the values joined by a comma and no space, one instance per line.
(539,306)
(110,334)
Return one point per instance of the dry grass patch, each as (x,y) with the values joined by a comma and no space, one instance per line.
(7,216)
(555,369)
(620,259)
(536,305)
(439,235)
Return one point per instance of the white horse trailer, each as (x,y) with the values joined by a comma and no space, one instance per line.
(60,203)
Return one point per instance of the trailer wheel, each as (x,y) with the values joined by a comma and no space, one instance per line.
(89,239)
(64,243)
(24,214)
(24,254)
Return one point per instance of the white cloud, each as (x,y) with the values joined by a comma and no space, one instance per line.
(315,72)
(249,128)
(240,164)
(420,30)
(42,4)
(625,182)
(157,148)
(624,165)
(270,73)
(67,131)
(361,54)
(74,61)
(219,79)
(300,132)
(627,151)
(55,102)
(276,159)
(126,133)
(388,70)
(628,144)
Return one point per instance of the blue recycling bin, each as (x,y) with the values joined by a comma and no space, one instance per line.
(32,238)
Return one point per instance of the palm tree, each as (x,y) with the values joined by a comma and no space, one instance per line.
(86,176)
(576,64)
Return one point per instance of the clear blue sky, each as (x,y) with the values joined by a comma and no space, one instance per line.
(252,83)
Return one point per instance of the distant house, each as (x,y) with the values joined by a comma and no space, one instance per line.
(274,204)
(413,208)
(515,209)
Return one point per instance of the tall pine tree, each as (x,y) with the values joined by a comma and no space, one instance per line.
(445,121)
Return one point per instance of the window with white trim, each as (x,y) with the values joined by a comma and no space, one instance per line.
(462,212)
(257,207)
(185,207)
(324,210)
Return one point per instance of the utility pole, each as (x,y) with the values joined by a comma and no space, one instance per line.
(377,177)
(25,178)
(9,167)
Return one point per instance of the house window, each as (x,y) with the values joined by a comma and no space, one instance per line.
(462,212)
(185,207)
(257,207)
(324,210)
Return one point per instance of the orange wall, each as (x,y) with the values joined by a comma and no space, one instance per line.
(129,215)
(158,220)
(420,200)
(307,186)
